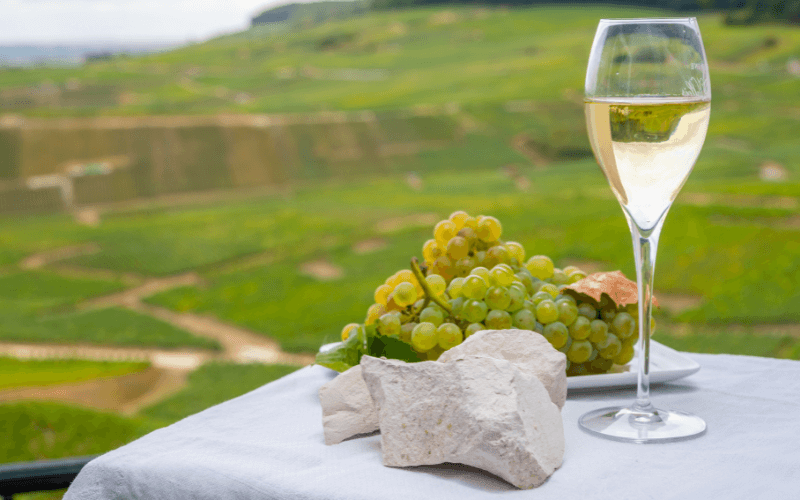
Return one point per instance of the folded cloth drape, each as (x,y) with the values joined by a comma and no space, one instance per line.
(269,444)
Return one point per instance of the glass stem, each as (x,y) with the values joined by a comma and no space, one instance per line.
(645,246)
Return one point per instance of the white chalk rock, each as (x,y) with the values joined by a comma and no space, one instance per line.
(347,407)
(528,350)
(477,411)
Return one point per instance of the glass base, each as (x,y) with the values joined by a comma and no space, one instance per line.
(636,426)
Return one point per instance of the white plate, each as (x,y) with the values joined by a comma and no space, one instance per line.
(666,364)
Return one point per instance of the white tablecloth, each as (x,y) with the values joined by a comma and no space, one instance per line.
(268,444)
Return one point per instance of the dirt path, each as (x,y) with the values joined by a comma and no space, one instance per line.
(238,344)
(132,296)
(126,394)
(169,368)
(42,259)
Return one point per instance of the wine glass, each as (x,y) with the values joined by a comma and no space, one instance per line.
(647,108)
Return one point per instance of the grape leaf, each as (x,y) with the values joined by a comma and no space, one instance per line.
(392,348)
(348,353)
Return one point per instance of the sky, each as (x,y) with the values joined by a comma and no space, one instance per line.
(128,21)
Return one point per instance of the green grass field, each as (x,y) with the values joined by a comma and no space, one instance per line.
(29,373)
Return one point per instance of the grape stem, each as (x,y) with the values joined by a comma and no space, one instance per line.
(424,284)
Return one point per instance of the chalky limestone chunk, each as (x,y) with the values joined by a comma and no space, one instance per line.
(478,411)
(347,407)
(528,350)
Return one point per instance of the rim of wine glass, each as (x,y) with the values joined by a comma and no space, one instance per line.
(650,20)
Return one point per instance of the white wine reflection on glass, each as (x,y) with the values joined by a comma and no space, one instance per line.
(647,106)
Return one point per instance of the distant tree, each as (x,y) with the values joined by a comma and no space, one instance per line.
(754,11)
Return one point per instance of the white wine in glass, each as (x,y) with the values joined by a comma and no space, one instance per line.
(647,110)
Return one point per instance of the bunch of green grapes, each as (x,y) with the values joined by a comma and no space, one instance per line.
(471,280)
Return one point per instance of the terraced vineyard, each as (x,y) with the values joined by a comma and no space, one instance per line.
(203,289)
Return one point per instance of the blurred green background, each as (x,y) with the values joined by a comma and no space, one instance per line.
(261,184)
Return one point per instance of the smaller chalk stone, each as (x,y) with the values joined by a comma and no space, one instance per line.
(347,407)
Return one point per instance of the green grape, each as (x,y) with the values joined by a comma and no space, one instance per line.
(580,329)
(539,328)
(382,294)
(567,311)
(578,370)
(458,218)
(482,272)
(594,355)
(374,312)
(540,266)
(570,269)
(474,287)
(607,313)
(431,251)
(423,337)
(567,298)
(546,312)
(576,277)
(404,294)
(474,311)
(448,335)
(599,331)
(443,232)
(405,332)
(431,315)
(456,305)
(537,285)
(436,283)
(462,267)
(600,365)
(529,305)
(556,334)
(480,256)
(524,319)
(526,281)
(587,310)
(559,277)
(418,306)
(540,296)
(610,347)
(457,248)
(565,348)
(496,255)
(516,251)
(489,229)
(389,324)
(497,298)
(472,328)
(519,286)
(551,289)
(502,275)
(454,289)
(442,266)
(625,355)
(623,325)
(468,234)
(517,299)
(434,305)
(471,222)
(348,329)
(580,352)
(498,320)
